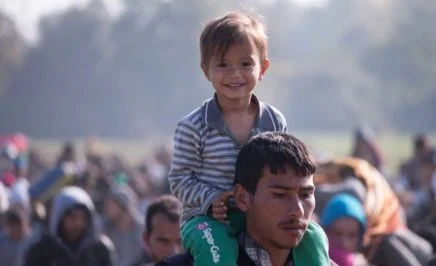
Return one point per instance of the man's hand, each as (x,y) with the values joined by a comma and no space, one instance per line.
(219,206)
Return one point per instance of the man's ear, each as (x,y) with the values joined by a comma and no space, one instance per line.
(205,70)
(145,238)
(242,198)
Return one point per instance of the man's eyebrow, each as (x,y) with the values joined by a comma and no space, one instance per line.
(278,186)
(308,187)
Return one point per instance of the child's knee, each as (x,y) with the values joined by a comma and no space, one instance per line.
(210,243)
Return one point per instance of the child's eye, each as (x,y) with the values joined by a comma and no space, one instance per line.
(247,64)
(221,65)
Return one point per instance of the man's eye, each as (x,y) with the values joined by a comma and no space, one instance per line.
(306,195)
(279,195)
(164,241)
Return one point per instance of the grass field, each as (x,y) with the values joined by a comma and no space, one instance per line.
(395,147)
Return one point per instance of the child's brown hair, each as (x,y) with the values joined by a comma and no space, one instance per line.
(233,28)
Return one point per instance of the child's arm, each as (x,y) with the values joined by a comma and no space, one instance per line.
(185,164)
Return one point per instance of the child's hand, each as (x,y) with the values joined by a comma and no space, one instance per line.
(219,206)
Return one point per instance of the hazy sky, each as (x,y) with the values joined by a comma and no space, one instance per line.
(27,13)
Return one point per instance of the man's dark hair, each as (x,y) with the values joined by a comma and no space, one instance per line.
(167,205)
(275,150)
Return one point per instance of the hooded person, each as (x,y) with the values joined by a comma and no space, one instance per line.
(344,221)
(367,148)
(18,234)
(122,223)
(387,231)
(74,237)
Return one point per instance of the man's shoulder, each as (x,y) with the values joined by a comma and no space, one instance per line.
(41,245)
(102,243)
(143,260)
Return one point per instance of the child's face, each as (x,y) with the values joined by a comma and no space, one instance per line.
(236,74)
(346,233)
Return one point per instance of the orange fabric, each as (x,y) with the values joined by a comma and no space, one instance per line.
(382,207)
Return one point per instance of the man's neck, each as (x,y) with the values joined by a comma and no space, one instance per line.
(277,256)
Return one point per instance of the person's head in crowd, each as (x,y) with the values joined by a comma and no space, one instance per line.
(366,147)
(16,224)
(162,232)
(363,137)
(73,217)
(68,153)
(274,187)
(20,166)
(344,220)
(421,144)
(163,155)
(121,205)
(427,169)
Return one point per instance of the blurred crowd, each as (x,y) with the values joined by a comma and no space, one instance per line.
(104,211)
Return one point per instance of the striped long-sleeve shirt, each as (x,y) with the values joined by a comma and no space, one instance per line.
(205,153)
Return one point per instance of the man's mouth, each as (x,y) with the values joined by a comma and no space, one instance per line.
(293,226)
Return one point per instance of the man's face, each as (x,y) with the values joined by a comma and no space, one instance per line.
(74,224)
(15,232)
(279,212)
(164,239)
(112,210)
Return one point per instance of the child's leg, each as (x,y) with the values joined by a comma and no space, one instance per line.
(236,221)
(210,242)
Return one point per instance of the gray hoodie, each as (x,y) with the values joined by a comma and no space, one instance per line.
(93,249)
(68,198)
(128,244)
(12,251)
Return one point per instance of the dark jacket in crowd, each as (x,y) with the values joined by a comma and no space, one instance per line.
(144,260)
(94,249)
(186,259)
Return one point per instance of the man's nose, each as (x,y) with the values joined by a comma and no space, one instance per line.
(296,208)
(177,249)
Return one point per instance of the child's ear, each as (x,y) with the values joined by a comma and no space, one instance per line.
(263,68)
(205,70)
(242,198)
